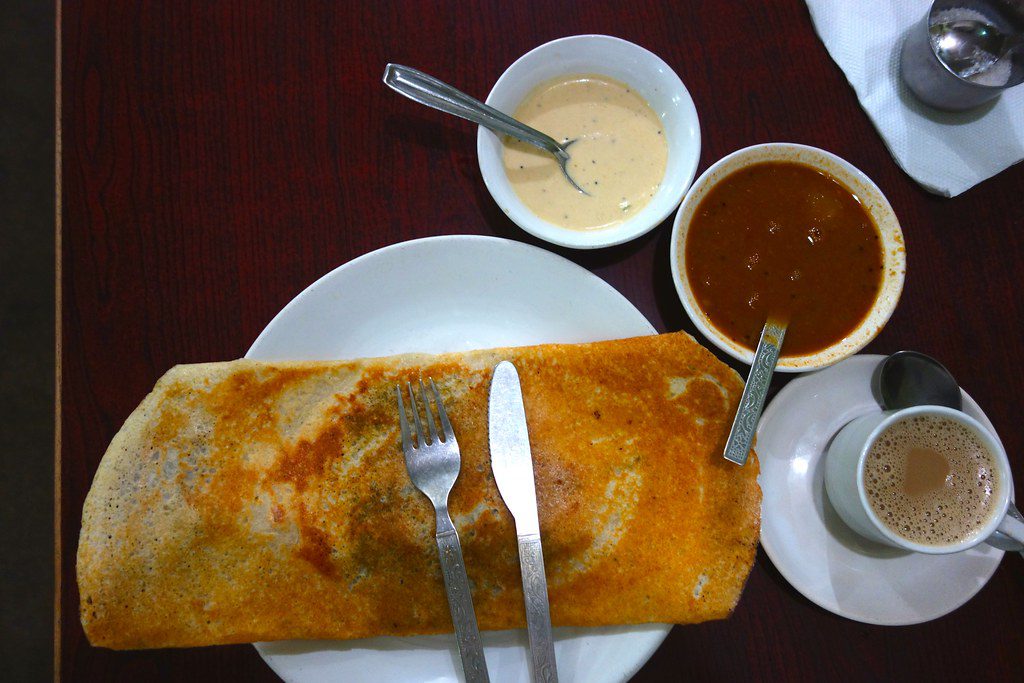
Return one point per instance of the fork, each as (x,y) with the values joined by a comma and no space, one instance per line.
(433,463)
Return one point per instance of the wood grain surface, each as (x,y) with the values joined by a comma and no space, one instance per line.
(218,157)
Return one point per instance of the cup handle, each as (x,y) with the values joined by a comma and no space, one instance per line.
(1010,533)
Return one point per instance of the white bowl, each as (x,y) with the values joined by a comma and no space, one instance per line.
(894,264)
(649,76)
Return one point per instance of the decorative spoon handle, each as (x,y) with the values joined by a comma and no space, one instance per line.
(754,391)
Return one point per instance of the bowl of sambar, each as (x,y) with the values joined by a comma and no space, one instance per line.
(795,233)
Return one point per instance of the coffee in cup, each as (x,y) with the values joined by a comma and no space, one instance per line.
(928,479)
(931,480)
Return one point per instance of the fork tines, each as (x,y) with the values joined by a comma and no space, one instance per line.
(421,437)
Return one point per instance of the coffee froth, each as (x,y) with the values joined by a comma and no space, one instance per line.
(931,480)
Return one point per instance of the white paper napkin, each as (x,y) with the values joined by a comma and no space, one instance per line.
(946,153)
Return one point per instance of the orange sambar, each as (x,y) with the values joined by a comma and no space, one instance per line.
(787,240)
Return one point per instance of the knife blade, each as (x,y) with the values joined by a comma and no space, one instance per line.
(512,465)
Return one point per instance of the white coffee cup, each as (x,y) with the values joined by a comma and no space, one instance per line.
(845,481)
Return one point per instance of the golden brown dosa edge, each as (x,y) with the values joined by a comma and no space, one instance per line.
(247,501)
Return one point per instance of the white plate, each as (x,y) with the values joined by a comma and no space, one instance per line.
(445,294)
(812,548)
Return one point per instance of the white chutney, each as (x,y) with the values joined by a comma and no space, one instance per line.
(619,154)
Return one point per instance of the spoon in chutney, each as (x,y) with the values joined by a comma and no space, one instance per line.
(427,90)
(744,425)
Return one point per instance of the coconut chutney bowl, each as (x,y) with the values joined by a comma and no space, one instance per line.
(607,64)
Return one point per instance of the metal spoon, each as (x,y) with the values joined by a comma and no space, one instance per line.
(427,90)
(969,46)
(909,378)
(737,446)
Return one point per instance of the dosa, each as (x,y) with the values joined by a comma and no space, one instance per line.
(247,501)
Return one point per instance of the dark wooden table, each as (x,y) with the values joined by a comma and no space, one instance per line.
(217,157)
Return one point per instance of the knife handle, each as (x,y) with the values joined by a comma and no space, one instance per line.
(460,603)
(538,616)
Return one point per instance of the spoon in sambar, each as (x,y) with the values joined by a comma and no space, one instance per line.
(744,425)
(427,90)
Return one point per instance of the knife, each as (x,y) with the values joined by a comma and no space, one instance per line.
(512,465)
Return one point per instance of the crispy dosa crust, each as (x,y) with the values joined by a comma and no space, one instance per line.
(248,501)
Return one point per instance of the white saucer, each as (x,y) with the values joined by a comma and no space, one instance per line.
(805,538)
(441,294)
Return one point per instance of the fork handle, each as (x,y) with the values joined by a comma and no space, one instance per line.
(460,603)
